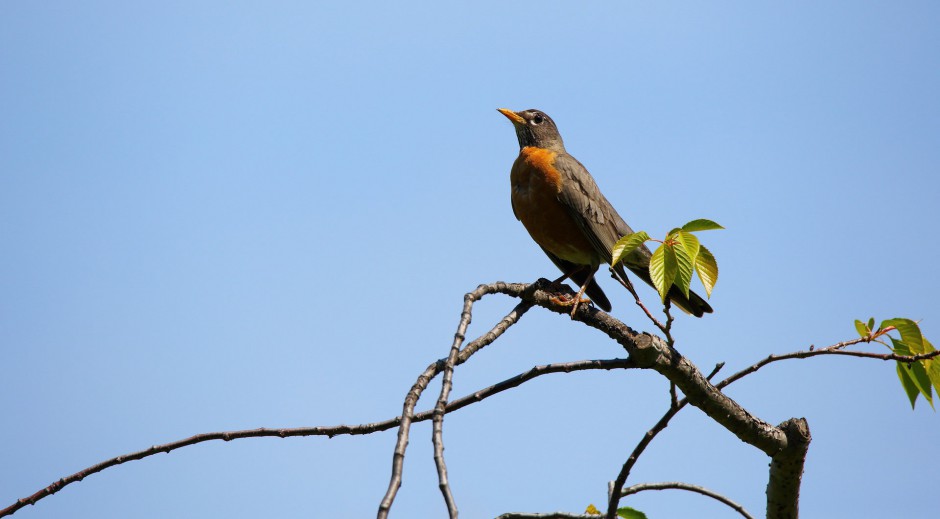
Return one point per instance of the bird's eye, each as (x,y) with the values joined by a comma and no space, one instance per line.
(537,119)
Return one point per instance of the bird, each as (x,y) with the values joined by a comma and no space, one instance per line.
(565,213)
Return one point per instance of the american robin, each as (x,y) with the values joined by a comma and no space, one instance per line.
(561,206)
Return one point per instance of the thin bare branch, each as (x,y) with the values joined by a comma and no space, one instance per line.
(678,485)
(835,349)
(625,281)
(411,399)
(620,481)
(437,435)
(667,330)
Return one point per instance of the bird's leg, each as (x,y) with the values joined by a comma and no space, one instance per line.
(565,299)
(577,298)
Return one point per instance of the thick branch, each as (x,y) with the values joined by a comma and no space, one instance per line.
(786,471)
(650,351)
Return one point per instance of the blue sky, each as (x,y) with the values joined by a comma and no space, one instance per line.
(224,215)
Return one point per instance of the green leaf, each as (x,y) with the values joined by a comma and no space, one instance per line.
(701,225)
(916,371)
(690,242)
(630,513)
(910,333)
(684,268)
(908,384)
(707,269)
(871,323)
(861,329)
(663,269)
(627,245)
(922,379)
(933,366)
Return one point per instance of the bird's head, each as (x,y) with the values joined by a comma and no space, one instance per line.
(534,128)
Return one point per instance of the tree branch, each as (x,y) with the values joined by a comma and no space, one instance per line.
(677,485)
(835,349)
(786,471)
(437,435)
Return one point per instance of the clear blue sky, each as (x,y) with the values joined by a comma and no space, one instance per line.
(227,215)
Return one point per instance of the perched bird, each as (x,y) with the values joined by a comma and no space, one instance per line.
(558,202)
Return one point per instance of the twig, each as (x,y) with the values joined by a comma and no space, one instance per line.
(835,349)
(715,370)
(669,320)
(437,435)
(677,485)
(625,281)
(615,494)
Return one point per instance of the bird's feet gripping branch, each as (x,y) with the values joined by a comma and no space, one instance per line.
(564,299)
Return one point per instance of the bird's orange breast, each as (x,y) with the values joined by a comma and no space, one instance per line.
(536,185)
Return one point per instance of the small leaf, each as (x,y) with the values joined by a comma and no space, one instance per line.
(860,328)
(707,269)
(933,366)
(701,225)
(910,333)
(690,242)
(592,510)
(916,371)
(922,379)
(871,323)
(627,245)
(909,387)
(684,268)
(630,513)
(663,269)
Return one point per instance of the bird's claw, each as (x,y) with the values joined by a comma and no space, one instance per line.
(568,300)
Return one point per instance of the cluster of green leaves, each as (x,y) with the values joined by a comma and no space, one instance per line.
(678,256)
(918,378)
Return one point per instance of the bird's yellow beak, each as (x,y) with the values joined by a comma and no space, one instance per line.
(512,116)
